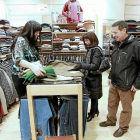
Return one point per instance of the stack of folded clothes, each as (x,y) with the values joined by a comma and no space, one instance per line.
(131,28)
(72,31)
(57,39)
(65,46)
(20,28)
(5,50)
(77,38)
(4,23)
(2,32)
(67,39)
(64,29)
(80,28)
(56,29)
(46,27)
(45,47)
(81,45)
(13,30)
(3,41)
(9,41)
(138,28)
(30,76)
(57,48)
(74,48)
(130,21)
(46,36)
(89,21)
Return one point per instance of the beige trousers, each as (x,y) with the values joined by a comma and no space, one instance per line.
(126,97)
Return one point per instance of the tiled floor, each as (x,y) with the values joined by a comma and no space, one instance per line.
(9,129)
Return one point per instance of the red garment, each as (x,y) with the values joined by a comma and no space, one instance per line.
(1,110)
(74,15)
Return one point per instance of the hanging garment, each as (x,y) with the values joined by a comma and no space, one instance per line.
(72,10)
(7,89)
(3,101)
(6,66)
(42,115)
(69,117)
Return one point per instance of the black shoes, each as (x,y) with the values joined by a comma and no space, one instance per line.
(89,118)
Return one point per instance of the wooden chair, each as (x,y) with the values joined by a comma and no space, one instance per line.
(73,137)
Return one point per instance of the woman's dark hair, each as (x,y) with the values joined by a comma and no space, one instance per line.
(28,31)
(92,37)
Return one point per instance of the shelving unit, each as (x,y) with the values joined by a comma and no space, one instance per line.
(46,51)
(63,35)
(107,37)
(4,37)
(136,34)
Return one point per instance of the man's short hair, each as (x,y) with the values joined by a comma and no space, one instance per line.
(121,25)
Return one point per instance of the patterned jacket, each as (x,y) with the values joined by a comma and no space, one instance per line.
(23,51)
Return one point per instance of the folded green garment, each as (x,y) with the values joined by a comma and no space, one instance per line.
(30,76)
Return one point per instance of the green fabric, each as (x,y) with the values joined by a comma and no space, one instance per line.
(30,76)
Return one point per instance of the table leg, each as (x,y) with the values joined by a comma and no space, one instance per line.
(80,122)
(31,113)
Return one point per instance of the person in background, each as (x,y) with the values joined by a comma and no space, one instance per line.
(92,81)
(73,11)
(25,55)
(124,77)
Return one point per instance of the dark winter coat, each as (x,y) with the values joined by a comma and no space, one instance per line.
(125,60)
(93,81)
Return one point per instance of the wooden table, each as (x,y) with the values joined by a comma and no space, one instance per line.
(61,89)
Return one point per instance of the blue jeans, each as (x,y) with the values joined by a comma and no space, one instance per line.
(69,117)
(42,115)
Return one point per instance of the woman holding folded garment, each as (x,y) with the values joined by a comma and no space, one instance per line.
(25,55)
(92,81)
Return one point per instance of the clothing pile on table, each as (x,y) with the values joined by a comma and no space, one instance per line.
(30,76)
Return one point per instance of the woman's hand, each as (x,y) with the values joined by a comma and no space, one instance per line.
(37,70)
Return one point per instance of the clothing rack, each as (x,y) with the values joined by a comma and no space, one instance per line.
(49,90)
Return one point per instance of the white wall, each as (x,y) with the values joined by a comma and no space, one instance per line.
(111,10)
(19,11)
(132,9)
(2,10)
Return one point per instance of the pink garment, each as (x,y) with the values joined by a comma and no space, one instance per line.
(74,15)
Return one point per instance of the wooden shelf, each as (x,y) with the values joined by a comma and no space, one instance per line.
(66,41)
(4,45)
(69,32)
(65,24)
(5,37)
(79,51)
(135,24)
(4,55)
(45,31)
(46,40)
(133,32)
(4,27)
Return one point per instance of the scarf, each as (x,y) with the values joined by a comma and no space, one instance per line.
(69,8)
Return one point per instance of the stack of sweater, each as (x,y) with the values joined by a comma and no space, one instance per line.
(30,76)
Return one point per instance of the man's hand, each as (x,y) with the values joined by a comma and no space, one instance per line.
(109,82)
(134,89)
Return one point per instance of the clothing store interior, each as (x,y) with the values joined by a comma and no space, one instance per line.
(69,69)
